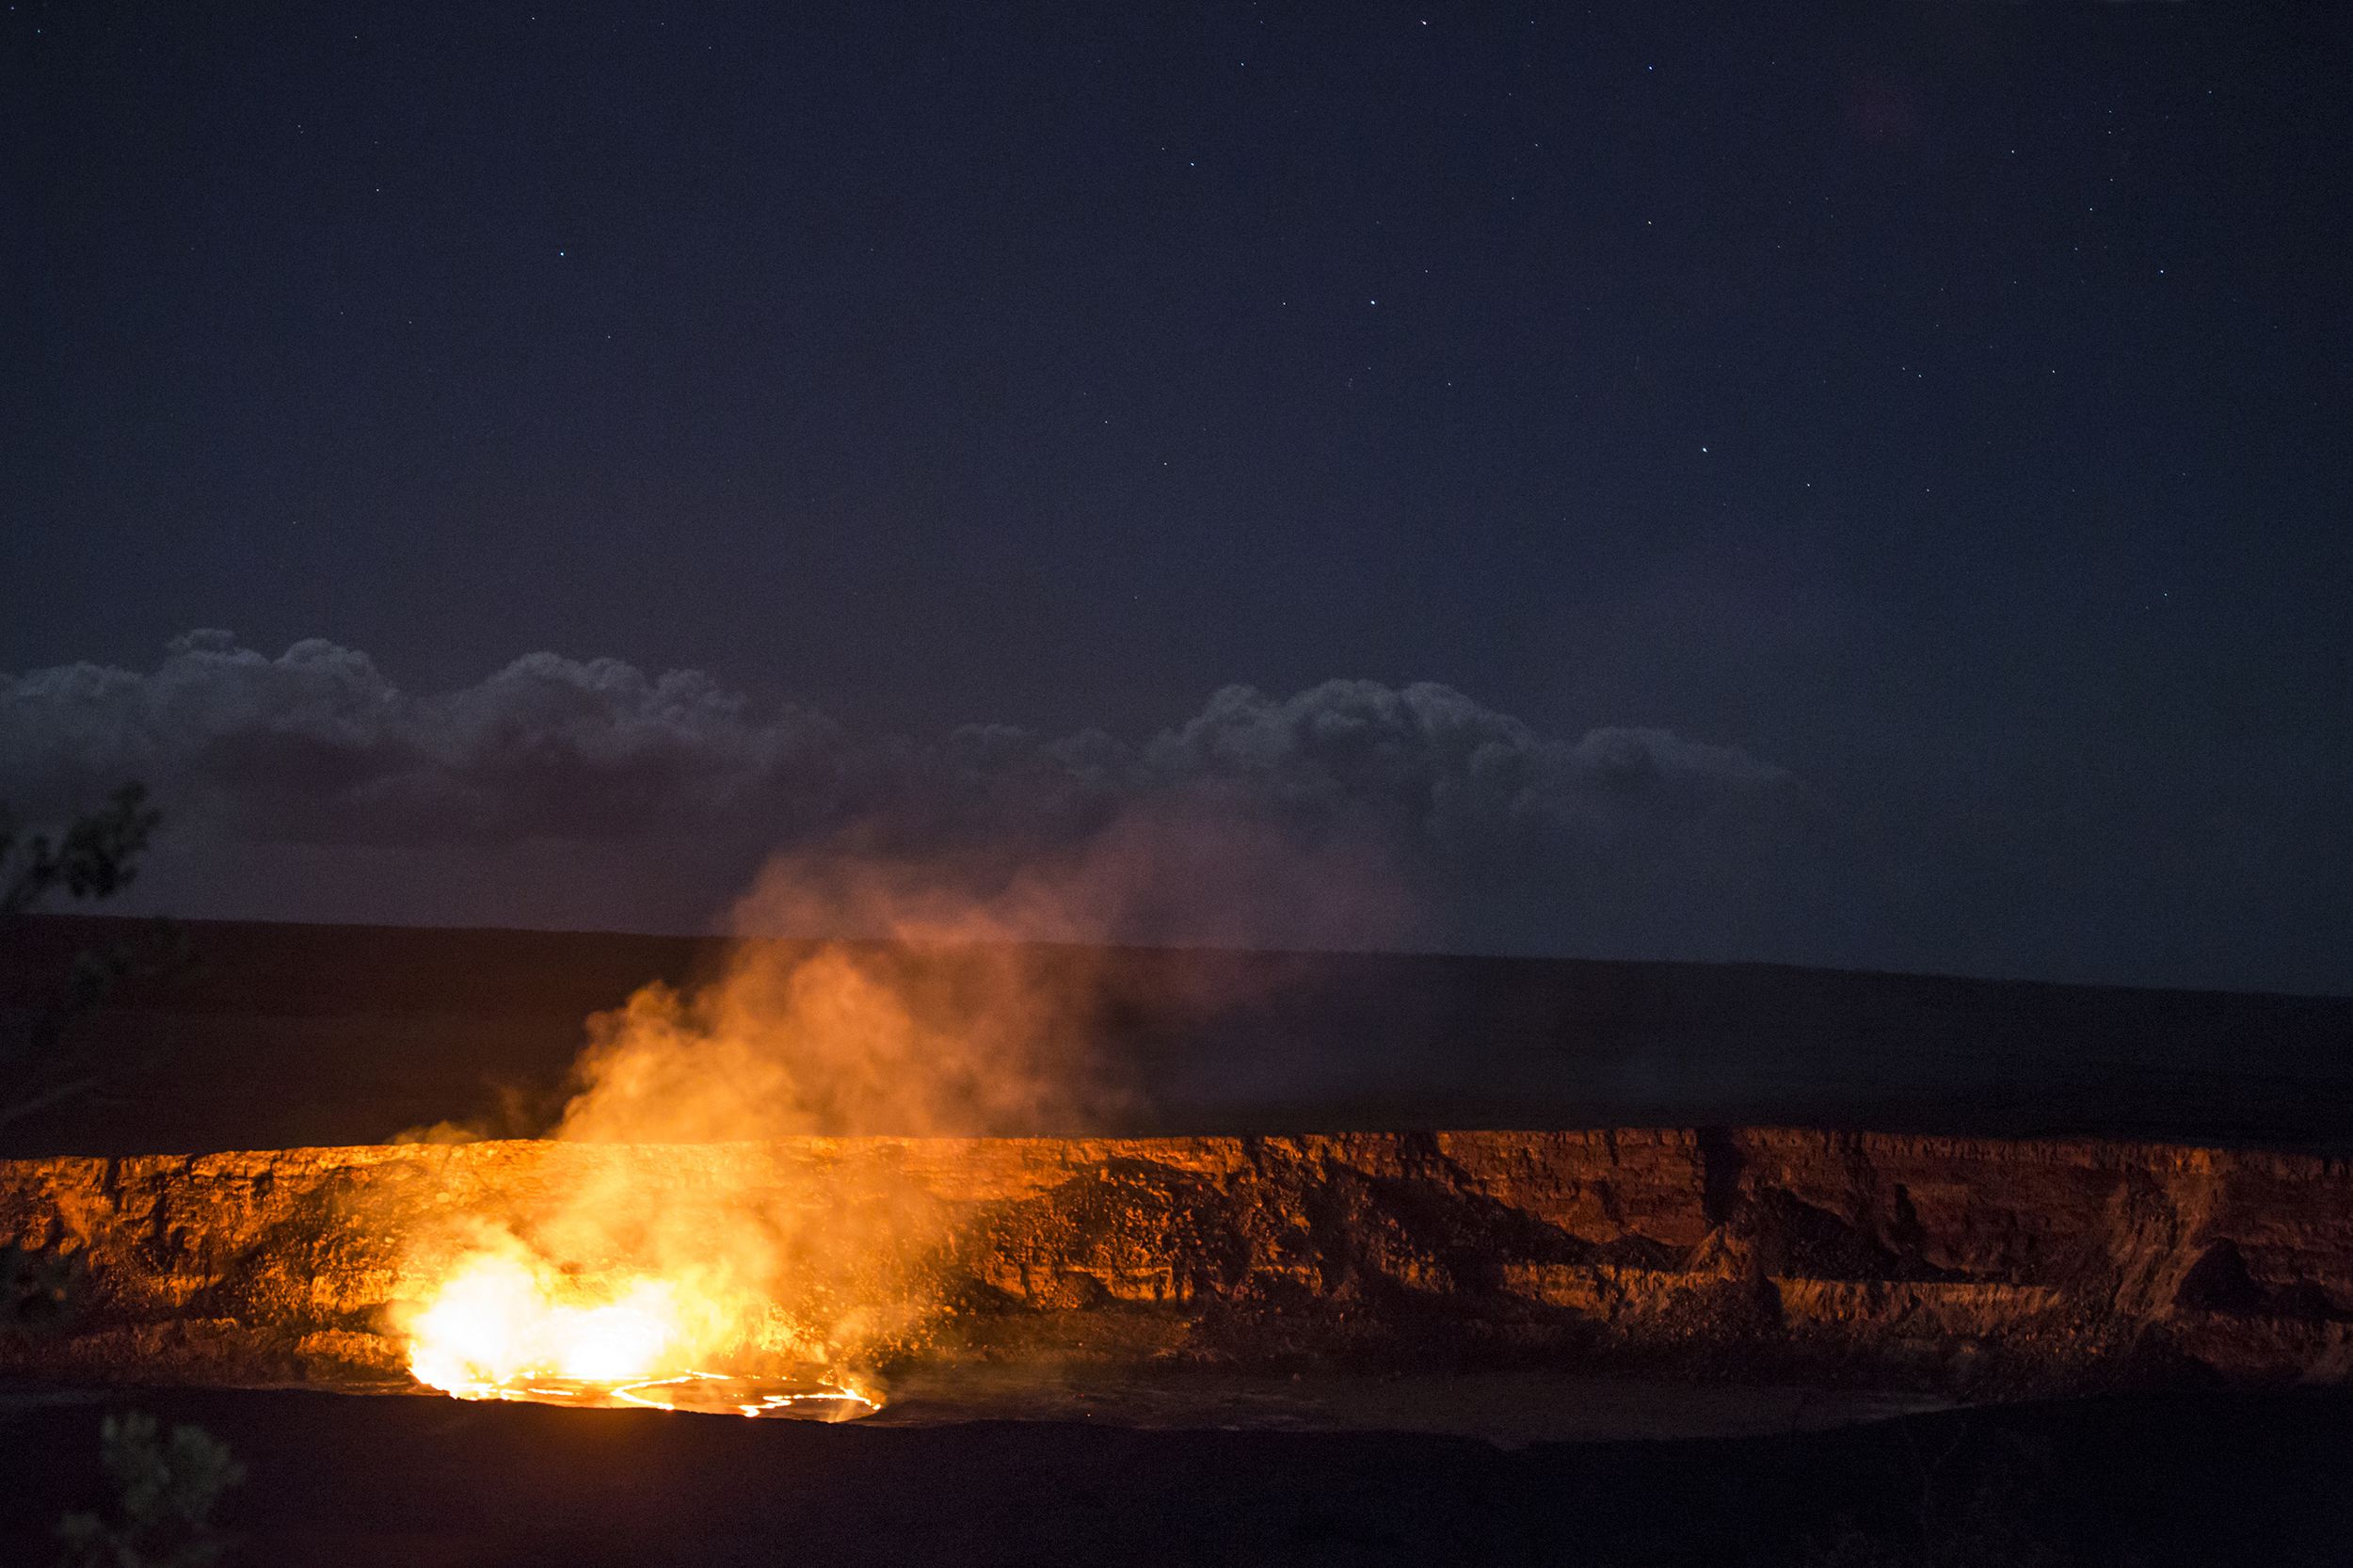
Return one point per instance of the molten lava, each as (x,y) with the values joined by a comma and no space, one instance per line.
(504,1325)
(493,1322)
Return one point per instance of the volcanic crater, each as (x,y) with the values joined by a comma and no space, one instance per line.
(1962,1266)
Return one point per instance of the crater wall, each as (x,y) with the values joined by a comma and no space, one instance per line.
(1959,1265)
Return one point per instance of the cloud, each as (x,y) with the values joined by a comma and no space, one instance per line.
(1496,834)
(317,744)
(1430,762)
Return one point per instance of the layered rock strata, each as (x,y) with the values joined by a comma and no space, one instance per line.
(1959,1265)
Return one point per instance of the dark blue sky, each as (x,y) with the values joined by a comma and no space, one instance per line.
(1945,403)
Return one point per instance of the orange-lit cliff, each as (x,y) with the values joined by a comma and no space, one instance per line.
(1971,1266)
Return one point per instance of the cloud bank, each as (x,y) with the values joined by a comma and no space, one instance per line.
(1490,834)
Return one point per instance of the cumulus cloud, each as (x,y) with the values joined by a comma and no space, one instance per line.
(317,743)
(1502,834)
(1430,761)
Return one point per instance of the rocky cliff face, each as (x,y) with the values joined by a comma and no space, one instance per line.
(1959,1265)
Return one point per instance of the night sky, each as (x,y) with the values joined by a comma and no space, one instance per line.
(1853,485)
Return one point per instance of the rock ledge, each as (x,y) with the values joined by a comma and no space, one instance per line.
(1959,1265)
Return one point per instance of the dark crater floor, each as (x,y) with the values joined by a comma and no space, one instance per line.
(2178,1478)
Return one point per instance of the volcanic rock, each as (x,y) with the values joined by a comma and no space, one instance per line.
(1963,1266)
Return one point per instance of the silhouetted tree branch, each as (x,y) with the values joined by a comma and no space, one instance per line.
(97,856)
(94,857)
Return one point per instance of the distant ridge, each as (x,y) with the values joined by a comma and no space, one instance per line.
(289,1035)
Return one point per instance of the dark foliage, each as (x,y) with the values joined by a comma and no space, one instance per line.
(94,857)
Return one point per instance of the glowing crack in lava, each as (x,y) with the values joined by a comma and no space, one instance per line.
(499,1328)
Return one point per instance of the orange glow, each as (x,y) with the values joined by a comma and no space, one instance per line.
(495,1321)
(505,1325)
(686,1262)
